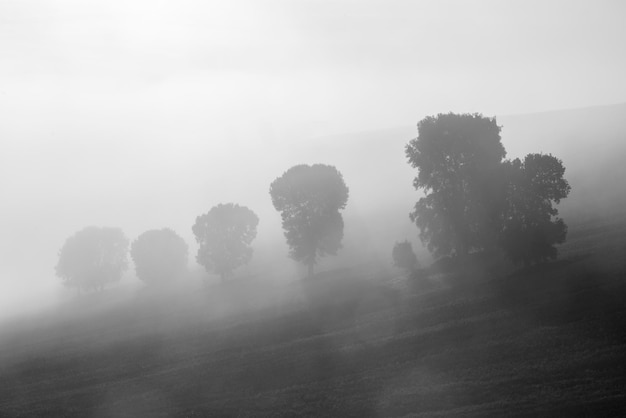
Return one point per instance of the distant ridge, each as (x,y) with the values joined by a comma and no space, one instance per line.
(565,110)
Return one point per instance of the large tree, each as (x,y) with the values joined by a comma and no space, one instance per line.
(225,234)
(92,258)
(476,201)
(160,256)
(530,223)
(458,158)
(309,199)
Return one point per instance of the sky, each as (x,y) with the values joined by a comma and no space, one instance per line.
(144,114)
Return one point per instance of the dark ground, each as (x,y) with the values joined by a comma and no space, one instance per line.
(548,341)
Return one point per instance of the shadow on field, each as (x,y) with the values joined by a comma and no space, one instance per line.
(341,343)
(568,290)
(340,298)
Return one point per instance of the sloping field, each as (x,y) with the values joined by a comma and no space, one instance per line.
(543,342)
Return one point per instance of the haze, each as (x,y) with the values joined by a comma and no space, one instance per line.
(145,114)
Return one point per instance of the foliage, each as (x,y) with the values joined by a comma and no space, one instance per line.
(458,157)
(404,257)
(92,258)
(531,227)
(309,199)
(225,234)
(474,201)
(159,255)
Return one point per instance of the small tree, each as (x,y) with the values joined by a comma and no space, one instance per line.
(309,199)
(225,234)
(530,226)
(404,257)
(92,258)
(160,256)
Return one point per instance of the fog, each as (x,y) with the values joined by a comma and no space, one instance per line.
(144,115)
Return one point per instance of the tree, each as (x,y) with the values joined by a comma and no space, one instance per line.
(530,226)
(477,202)
(92,258)
(159,256)
(309,199)
(225,234)
(404,257)
(458,158)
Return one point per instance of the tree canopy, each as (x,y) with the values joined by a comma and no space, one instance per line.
(92,258)
(225,234)
(458,157)
(477,201)
(530,223)
(309,199)
(160,256)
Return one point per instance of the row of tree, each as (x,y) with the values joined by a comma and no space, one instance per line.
(309,199)
(474,201)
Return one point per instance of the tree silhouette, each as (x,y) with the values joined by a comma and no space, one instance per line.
(92,258)
(458,158)
(404,257)
(225,234)
(160,256)
(309,199)
(474,201)
(530,226)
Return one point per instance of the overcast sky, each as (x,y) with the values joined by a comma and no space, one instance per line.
(143,114)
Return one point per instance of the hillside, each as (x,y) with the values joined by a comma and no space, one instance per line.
(359,339)
(351,342)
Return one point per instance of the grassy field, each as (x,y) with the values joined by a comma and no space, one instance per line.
(356,342)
